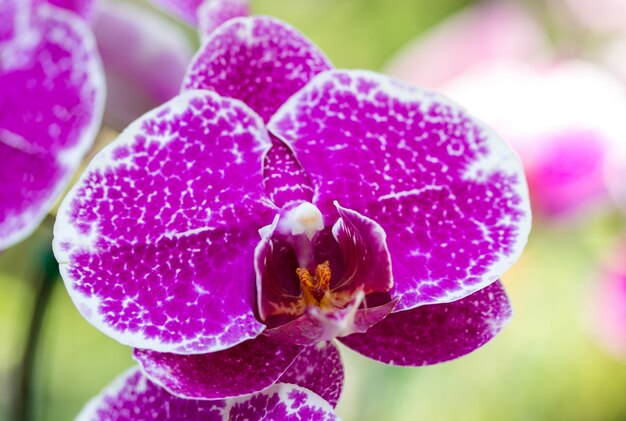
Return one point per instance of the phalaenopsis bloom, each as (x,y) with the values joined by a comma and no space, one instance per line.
(277,205)
(51,101)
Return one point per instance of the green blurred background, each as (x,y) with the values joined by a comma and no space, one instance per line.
(543,366)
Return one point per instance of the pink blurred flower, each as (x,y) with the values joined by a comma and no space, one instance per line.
(493,30)
(607,311)
(148,70)
(613,57)
(600,15)
(564,120)
(206,15)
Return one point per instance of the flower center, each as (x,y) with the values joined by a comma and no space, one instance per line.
(315,286)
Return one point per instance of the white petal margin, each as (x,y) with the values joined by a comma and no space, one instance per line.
(23,225)
(133,397)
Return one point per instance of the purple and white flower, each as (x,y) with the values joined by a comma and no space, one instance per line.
(277,204)
(51,101)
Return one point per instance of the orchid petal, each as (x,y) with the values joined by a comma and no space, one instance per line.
(363,244)
(277,285)
(213,13)
(285,180)
(435,333)
(246,368)
(450,195)
(156,240)
(186,10)
(132,397)
(282,402)
(51,97)
(371,314)
(259,60)
(138,82)
(15,18)
(319,369)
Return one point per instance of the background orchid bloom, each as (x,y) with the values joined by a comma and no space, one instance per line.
(599,15)
(51,101)
(148,69)
(206,15)
(490,30)
(498,70)
(565,138)
(607,310)
(226,240)
(613,56)
(606,302)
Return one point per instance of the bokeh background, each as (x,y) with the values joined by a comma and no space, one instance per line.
(551,363)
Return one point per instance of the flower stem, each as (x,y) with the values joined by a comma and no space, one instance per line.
(24,398)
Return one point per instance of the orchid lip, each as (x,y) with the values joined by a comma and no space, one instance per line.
(305,268)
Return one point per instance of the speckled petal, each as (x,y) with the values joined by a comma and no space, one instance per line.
(259,60)
(14,18)
(52,94)
(247,368)
(156,240)
(285,180)
(132,397)
(213,13)
(450,194)
(165,49)
(186,10)
(435,333)
(282,402)
(319,369)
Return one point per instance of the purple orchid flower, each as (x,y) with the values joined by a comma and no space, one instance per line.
(51,101)
(277,204)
